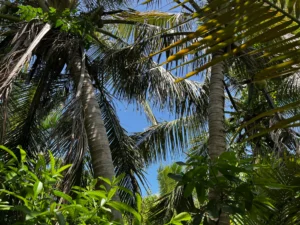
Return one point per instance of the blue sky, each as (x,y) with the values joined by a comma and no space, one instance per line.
(135,121)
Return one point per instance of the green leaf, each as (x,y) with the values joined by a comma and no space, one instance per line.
(181,163)
(126,190)
(228,156)
(13,194)
(22,153)
(175,177)
(63,195)
(58,23)
(33,176)
(138,202)
(125,208)
(64,168)
(188,189)
(37,188)
(52,10)
(112,192)
(52,207)
(265,201)
(61,219)
(201,193)
(276,186)
(9,152)
(184,216)
(75,206)
(213,210)
(106,180)
(97,193)
(22,208)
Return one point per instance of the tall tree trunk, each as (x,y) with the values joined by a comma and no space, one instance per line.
(96,133)
(216,123)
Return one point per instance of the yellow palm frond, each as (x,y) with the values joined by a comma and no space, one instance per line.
(265,29)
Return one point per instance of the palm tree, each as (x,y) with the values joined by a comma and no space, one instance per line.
(76,73)
(166,184)
(231,33)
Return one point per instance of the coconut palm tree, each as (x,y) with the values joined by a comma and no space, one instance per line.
(75,72)
(230,30)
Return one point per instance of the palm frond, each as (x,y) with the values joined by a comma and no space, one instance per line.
(169,205)
(27,107)
(144,81)
(168,138)
(9,74)
(256,28)
(126,156)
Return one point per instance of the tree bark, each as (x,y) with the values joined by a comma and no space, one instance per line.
(96,133)
(216,124)
(216,121)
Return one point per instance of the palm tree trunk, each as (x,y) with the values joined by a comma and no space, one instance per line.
(217,139)
(102,162)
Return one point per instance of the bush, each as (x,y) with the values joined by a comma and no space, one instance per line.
(30,194)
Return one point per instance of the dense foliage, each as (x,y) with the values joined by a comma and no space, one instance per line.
(64,62)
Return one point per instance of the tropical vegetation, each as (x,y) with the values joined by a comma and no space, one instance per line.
(66,64)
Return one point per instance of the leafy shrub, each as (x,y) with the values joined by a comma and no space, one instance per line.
(30,194)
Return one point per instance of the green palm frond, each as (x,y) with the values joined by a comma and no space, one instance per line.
(244,31)
(285,200)
(143,81)
(126,156)
(232,29)
(157,142)
(28,105)
(166,184)
(169,205)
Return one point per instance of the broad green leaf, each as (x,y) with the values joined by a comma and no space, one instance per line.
(175,177)
(181,163)
(63,195)
(201,193)
(184,216)
(61,219)
(265,201)
(58,23)
(97,193)
(138,202)
(37,188)
(188,189)
(125,208)
(74,206)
